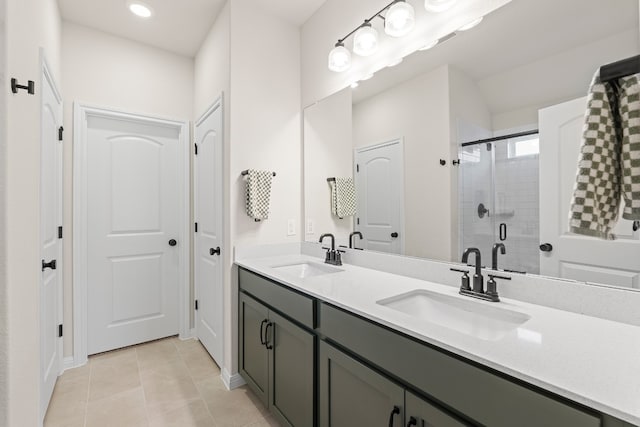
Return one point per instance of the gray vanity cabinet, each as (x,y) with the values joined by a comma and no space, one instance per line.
(276,356)
(352,394)
(421,413)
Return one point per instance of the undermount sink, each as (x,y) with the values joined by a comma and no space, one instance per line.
(480,320)
(307,269)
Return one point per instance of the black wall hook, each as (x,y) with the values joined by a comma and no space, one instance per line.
(30,88)
(443,162)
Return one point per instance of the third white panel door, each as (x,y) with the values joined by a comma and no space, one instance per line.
(208,241)
(380,187)
(573,256)
(132,213)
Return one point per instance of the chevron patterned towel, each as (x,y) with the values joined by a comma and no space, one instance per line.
(343,197)
(609,165)
(258,193)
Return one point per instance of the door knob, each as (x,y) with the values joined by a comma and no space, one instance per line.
(394,235)
(172,242)
(215,251)
(50,264)
(546,247)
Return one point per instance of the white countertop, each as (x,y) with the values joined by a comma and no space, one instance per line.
(591,361)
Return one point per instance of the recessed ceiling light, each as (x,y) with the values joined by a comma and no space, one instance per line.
(141,10)
(471,24)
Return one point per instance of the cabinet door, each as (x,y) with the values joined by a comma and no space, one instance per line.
(351,394)
(421,413)
(253,354)
(291,372)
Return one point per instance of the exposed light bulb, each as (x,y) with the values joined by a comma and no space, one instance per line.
(437,6)
(394,63)
(365,41)
(141,10)
(471,24)
(430,45)
(400,19)
(339,58)
(354,85)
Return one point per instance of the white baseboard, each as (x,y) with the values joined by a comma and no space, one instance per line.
(191,333)
(231,381)
(69,362)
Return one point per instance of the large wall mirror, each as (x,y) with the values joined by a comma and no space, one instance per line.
(475,142)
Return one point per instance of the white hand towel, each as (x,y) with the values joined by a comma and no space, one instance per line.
(258,193)
(343,197)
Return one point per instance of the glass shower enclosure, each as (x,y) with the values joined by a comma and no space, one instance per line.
(499,200)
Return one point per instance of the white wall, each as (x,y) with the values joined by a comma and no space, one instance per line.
(4,295)
(470,118)
(30,24)
(328,152)
(265,132)
(108,71)
(418,111)
(551,80)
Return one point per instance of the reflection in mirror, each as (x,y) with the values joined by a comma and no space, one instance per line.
(475,142)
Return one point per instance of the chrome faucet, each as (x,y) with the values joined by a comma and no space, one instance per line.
(478,280)
(333,257)
(494,254)
(352,244)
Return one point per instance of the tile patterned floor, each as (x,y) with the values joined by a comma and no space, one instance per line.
(162,383)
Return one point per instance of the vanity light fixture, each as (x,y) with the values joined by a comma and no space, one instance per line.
(400,19)
(437,6)
(365,41)
(471,24)
(141,10)
(339,58)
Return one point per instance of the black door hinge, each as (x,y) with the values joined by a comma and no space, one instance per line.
(60,232)
(30,88)
(357,168)
(196,305)
(196,227)
(60,131)
(60,331)
(196,149)
(358,221)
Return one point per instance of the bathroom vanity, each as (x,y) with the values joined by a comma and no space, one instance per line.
(345,346)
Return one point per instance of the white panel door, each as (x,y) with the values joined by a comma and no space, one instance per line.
(573,256)
(133,213)
(208,238)
(51,249)
(379,185)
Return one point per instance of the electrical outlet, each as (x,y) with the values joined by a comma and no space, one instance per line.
(310,226)
(291,227)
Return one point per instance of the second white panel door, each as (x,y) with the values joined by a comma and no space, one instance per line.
(208,241)
(133,213)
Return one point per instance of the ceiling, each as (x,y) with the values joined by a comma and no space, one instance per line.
(178,26)
(520,33)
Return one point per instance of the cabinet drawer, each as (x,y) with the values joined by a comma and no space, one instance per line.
(476,393)
(287,301)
